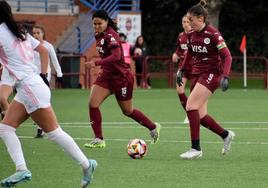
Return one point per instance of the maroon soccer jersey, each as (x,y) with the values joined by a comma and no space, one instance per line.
(204,47)
(181,49)
(181,44)
(105,43)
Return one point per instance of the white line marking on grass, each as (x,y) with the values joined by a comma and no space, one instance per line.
(167,122)
(137,126)
(161,141)
(185,127)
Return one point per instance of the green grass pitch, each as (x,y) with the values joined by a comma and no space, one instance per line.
(244,112)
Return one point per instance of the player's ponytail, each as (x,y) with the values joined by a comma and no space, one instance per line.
(7,18)
(199,10)
(103,15)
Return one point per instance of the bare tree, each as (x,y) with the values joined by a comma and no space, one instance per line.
(214,9)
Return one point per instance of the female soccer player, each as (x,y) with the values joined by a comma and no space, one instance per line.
(39,34)
(32,99)
(210,53)
(115,78)
(6,88)
(178,55)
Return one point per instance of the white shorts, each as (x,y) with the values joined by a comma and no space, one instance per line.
(6,79)
(33,93)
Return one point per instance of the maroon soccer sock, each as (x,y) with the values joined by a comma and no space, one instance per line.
(95,118)
(139,117)
(193,116)
(212,125)
(183,99)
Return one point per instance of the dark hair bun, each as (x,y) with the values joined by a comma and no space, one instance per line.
(203,3)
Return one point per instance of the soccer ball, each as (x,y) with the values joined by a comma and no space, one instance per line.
(136,148)
(138,51)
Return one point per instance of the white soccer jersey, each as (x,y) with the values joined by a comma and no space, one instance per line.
(15,55)
(52,57)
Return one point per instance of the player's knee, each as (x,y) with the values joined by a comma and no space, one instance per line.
(127,112)
(190,107)
(93,105)
(180,89)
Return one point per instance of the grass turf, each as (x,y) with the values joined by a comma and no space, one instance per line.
(242,111)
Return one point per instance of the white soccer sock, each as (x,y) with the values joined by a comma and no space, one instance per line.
(69,146)
(13,146)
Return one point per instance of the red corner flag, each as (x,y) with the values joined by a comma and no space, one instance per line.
(243,44)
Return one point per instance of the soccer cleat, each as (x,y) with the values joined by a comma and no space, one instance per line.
(88,175)
(17,177)
(191,154)
(227,142)
(96,143)
(155,133)
(40,133)
(186,120)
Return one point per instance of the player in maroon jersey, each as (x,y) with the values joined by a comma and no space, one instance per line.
(115,78)
(210,68)
(178,56)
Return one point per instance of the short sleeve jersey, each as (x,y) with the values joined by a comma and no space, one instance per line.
(15,55)
(205,46)
(105,42)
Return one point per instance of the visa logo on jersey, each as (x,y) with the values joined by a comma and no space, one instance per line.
(199,49)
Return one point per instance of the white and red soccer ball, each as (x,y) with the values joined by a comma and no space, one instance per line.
(136,148)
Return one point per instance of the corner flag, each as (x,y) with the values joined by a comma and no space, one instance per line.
(243,44)
(243,49)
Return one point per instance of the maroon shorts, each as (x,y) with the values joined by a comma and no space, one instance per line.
(209,80)
(121,86)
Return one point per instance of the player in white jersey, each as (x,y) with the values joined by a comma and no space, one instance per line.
(39,34)
(32,99)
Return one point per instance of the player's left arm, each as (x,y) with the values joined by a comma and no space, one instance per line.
(226,57)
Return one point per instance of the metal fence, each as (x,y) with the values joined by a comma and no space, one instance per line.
(154,67)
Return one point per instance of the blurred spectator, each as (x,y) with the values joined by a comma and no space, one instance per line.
(139,52)
(126,47)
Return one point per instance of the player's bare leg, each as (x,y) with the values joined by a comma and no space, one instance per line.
(5,92)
